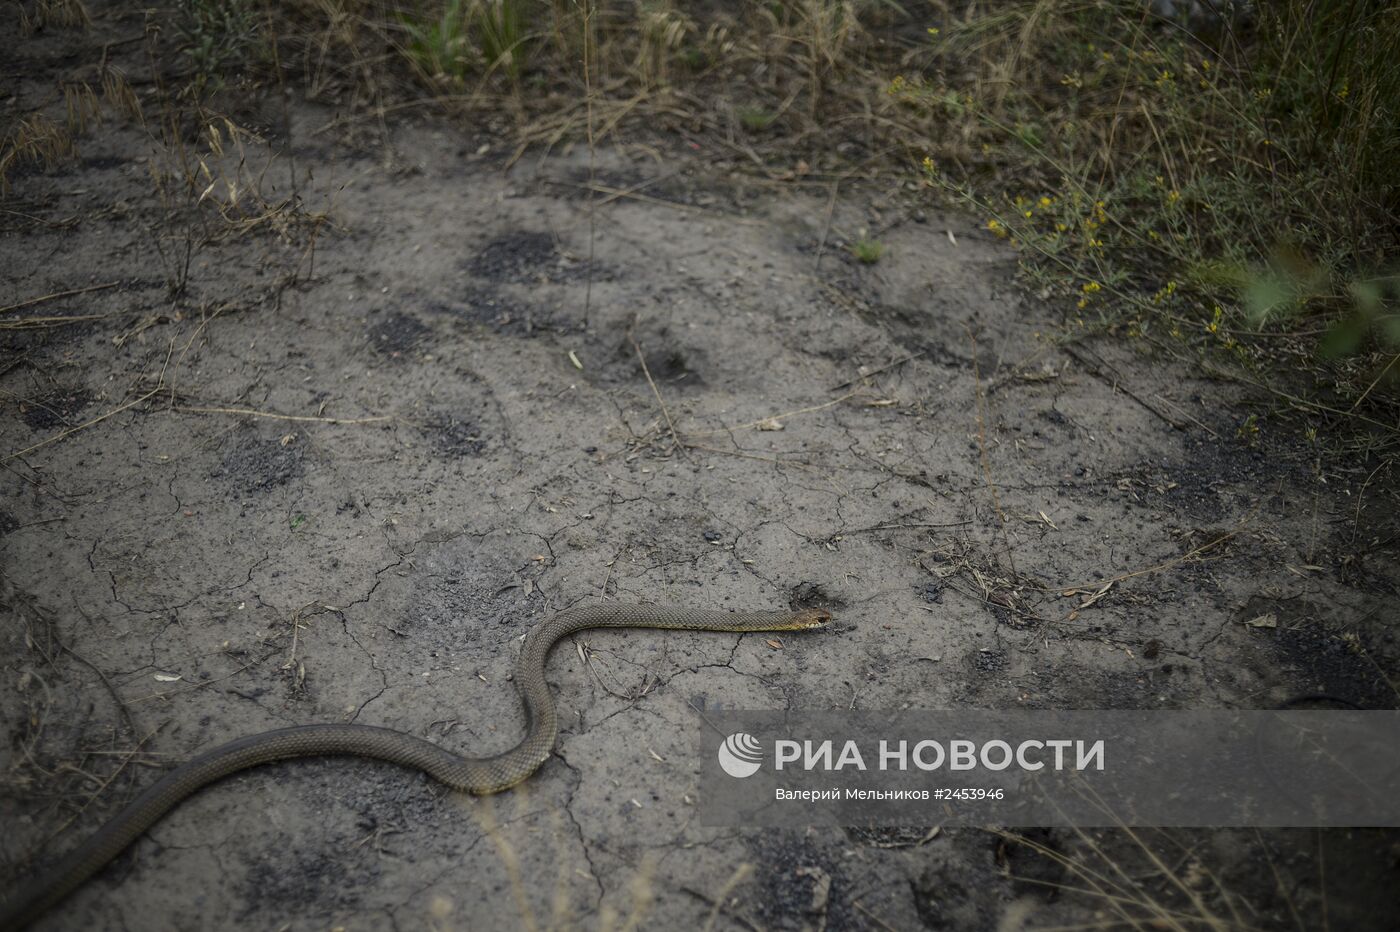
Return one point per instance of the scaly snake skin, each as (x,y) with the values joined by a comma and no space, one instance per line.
(478,776)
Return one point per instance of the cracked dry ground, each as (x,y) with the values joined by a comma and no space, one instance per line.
(179,577)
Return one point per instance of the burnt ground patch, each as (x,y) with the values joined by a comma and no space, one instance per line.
(1369,560)
(522,257)
(891,836)
(311,882)
(801,883)
(455,436)
(439,601)
(1326,661)
(1200,483)
(961,885)
(492,307)
(398,333)
(813,595)
(314,879)
(55,409)
(944,901)
(986,660)
(1373,568)
(1028,858)
(1313,653)
(256,464)
(673,365)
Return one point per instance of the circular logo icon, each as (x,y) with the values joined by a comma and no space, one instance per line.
(740,755)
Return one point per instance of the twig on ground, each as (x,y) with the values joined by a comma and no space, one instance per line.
(1215,372)
(1361,496)
(1096,370)
(306,418)
(1098,584)
(56,295)
(84,426)
(43,323)
(1374,382)
(1195,420)
(670,424)
(750,456)
(885,368)
(202,684)
(586,26)
(633,194)
(127,757)
(982,451)
(740,873)
(772,417)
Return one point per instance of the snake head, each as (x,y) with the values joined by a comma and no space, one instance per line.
(811,618)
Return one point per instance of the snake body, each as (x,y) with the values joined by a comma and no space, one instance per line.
(479,776)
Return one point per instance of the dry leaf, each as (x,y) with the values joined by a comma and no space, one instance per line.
(1097,595)
(1269,620)
(775,643)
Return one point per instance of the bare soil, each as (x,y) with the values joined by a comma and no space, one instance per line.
(340,483)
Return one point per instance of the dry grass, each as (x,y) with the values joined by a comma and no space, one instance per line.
(1141,879)
(1213,196)
(69,14)
(45,138)
(1220,195)
(34,140)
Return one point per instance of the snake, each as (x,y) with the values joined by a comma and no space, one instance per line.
(477,776)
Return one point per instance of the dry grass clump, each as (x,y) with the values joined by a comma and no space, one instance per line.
(34,140)
(61,13)
(212,177)
(42,139)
